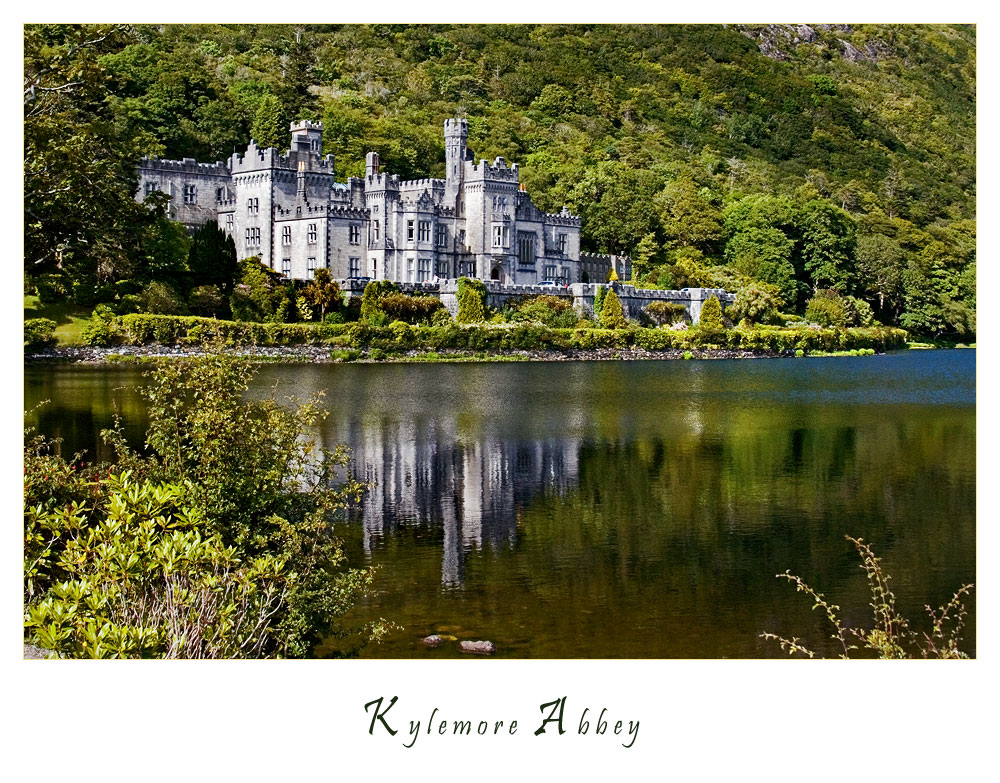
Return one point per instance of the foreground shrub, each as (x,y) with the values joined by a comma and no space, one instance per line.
(38,332)
(213,542)
(141,574)
(891,635)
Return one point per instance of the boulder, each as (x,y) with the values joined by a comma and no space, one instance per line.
(433,640)
(479,648)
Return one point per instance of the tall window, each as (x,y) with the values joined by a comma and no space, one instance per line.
(409,270)
(461,237)
(467,268)
(152,187)
(310,266)
(500,235)
(409,230)
(423,270)
(425,231)
(354,234)
(375,231)
(253,206)
(311,233)
(549,272)
(355,267)
(442,236)
(253,237)
(525,248)
(286,235)
(229,222)
(561,240)
(286,267)
(442,269)
(190,194)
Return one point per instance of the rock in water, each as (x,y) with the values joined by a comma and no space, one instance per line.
(433,640)
(480,648)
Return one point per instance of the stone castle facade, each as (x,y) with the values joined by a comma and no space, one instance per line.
(290,211)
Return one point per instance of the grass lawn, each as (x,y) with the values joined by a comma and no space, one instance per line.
(70,318)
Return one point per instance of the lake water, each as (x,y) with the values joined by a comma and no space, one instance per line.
(626,509)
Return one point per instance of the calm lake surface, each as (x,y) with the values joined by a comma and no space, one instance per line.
(626,509)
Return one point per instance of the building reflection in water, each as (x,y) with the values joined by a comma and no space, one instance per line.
(423,473)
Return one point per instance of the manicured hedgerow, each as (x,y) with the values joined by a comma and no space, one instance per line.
(140,329)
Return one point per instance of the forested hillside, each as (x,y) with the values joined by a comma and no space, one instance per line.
(827,158)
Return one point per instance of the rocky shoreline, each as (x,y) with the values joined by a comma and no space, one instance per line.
(321,354)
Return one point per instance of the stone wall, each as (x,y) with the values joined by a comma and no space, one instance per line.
(634,300)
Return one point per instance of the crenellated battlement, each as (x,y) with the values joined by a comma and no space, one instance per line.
(321,210)
(498,170)
(306,125)
(456,127)
(382,181)
(185,166)
(422,184)
(563,218)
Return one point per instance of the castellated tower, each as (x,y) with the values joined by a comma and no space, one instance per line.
(456,136)
(307,137)
(289,210)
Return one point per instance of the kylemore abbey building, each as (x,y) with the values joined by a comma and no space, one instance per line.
(291,212)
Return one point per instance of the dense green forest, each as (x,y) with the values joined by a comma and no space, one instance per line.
(825,158)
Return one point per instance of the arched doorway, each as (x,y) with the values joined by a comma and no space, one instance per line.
(497,274)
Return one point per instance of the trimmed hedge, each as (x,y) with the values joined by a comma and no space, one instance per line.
(139,329)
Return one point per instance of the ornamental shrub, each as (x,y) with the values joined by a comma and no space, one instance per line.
(553,311)
(599,300)
(371,299)
(661,313)
(827,308)
(102,329)
(756,303)
(859,312)
(411,309)
(711,316)
(50,288)
(471,301)
(38,332)
(162,299)
(207,300)
(612,315)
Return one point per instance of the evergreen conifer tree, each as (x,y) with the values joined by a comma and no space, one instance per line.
(711,316)
(612,315)
(599,300)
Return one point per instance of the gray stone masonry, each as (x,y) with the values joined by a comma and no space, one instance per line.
(634,300)
(289,210)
